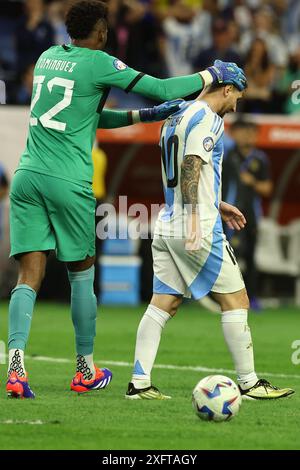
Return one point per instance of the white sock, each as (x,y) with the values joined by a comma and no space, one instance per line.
(16,362)
(237,335)
(147,343)
(85,365)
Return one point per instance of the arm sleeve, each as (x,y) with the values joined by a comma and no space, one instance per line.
(169,88)
(111,119)
(201,139)
(110,71)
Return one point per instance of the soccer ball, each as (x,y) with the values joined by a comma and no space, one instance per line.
(216,398)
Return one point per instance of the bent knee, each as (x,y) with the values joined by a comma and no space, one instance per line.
(76,266)
(245,304)
(167,303)
(32,269)
(235,301)
(33,280)
(175,305)
(32,277)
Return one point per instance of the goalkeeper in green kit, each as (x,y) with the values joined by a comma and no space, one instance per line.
(52,204)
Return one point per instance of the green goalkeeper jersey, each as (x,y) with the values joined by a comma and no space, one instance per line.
(70,87)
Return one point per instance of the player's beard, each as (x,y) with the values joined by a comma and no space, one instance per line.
(222,112)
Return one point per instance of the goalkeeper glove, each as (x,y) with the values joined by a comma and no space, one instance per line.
(228,73)
(160,112)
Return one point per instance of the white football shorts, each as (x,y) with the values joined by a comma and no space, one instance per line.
(180,272)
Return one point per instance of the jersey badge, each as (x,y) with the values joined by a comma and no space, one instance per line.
(119,65)
(208,144)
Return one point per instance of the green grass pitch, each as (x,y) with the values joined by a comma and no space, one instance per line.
(60,419)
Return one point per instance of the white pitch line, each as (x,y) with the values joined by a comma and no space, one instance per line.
(13,421)
(58,360)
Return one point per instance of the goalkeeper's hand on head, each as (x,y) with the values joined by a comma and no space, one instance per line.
(160,112)
(228,73)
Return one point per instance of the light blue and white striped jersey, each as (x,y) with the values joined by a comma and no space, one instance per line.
(194,130)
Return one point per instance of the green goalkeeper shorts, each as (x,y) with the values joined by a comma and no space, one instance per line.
(49,213)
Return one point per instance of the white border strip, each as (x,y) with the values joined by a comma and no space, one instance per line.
(59,360)
(33,423)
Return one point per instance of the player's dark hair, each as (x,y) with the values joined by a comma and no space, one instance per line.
(241,123)
(214,87)
(82,17)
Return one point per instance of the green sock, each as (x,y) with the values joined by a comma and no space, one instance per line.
(84,309)
(20,314)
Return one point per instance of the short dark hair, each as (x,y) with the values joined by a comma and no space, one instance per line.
(215,86)
(82,17)
(242,123)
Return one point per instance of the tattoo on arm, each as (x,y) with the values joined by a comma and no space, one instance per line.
(190,174)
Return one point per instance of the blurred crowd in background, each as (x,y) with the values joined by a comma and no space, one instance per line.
(167,38)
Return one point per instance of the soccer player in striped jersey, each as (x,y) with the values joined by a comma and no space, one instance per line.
(191,256)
